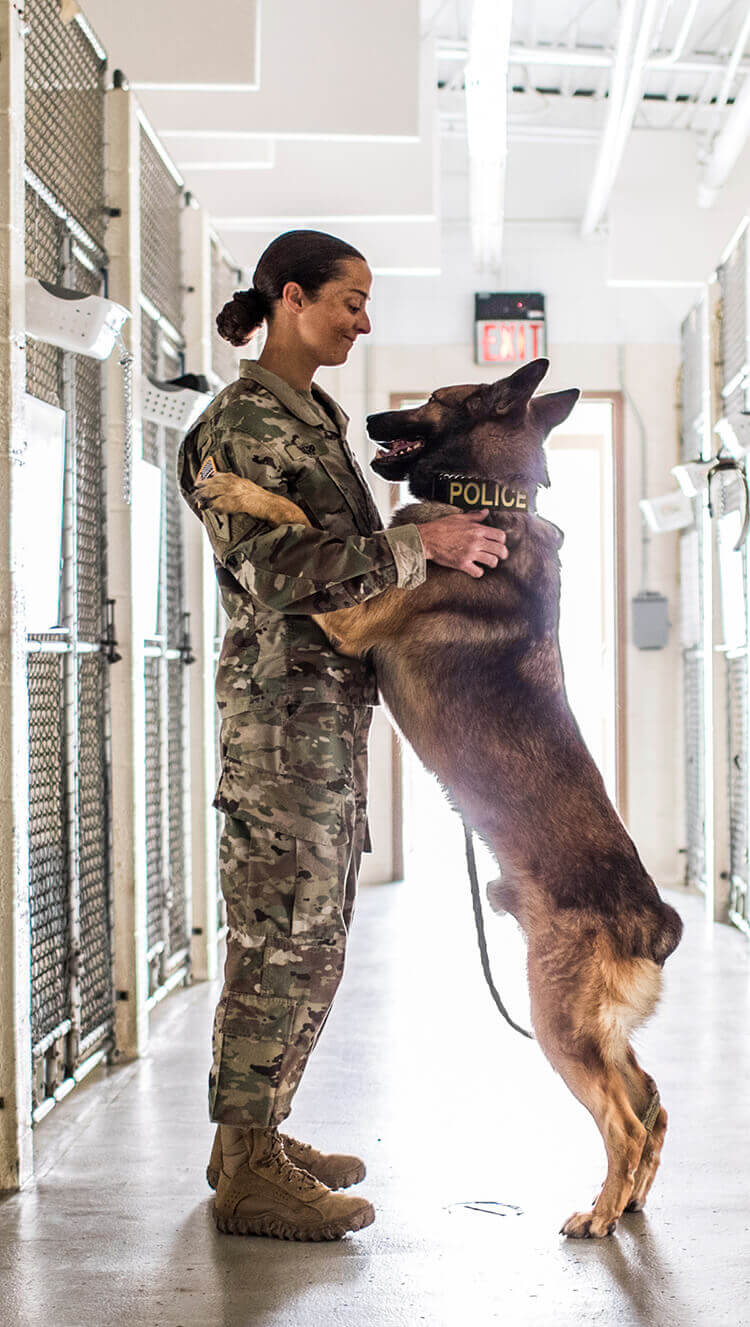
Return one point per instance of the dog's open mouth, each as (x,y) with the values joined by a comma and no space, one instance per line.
(398,449)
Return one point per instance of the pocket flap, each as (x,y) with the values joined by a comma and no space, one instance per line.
(288,805)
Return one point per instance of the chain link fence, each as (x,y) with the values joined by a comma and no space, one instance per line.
(69,834)
(733,276)
(168,881)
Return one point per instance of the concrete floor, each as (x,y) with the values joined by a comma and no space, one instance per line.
(417,1073)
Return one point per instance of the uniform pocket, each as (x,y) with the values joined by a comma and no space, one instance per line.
(280,802)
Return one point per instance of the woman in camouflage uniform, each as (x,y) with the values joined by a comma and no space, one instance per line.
(295,719)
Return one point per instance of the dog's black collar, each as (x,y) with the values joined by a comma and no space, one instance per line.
(473,493)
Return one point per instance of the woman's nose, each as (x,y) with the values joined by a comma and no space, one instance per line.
(363,324)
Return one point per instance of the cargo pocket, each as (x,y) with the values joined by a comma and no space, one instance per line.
(290,805)
(249,1052)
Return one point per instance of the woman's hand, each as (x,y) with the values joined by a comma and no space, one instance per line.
(462,542)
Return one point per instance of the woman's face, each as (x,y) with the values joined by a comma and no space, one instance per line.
(331,322)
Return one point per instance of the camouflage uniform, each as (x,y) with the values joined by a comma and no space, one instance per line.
(295,719)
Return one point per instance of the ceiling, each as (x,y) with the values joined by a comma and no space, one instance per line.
(351,117)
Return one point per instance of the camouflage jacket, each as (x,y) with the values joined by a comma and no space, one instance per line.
(272,579)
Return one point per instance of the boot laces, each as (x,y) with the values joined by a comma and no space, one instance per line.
(286,1170)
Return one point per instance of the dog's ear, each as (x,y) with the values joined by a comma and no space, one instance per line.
(554,407)
(509,394)
(524,382)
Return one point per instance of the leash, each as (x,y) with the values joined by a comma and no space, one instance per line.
(476,900)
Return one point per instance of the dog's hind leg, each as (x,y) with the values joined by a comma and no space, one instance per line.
(644,1098)
(600,1087)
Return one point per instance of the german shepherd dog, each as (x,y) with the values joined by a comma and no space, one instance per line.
(470,669)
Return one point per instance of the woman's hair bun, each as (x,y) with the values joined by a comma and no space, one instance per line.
(242,315)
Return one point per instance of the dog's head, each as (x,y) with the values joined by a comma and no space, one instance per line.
(495,430)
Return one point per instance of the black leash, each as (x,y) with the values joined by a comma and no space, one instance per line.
(482,939)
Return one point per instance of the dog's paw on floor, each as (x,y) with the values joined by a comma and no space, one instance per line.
(587,1225)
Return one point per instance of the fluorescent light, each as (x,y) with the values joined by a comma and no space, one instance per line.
(296,222)
(487,126)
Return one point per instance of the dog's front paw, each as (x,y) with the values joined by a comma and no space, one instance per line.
(588,1225)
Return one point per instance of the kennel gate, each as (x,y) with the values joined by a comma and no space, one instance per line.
(167,648)
(733,277)
(72,1015)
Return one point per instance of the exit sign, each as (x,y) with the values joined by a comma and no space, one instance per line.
(508,328)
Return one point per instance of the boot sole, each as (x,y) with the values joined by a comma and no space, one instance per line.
(355,1177)
(278,1229)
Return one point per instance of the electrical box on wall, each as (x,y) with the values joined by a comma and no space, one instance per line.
(509,327)
(650,621)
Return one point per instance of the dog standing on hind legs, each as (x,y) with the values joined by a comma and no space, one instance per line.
(470,669)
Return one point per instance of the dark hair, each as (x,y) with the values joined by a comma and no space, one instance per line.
(309,257)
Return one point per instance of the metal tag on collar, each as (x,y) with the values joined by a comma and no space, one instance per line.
(473,494)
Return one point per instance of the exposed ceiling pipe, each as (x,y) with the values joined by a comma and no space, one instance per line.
(734,62)
(727,146)
(487,126)
(630,62)
(684,32)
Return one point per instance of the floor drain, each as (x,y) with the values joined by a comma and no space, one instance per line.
(490,1206)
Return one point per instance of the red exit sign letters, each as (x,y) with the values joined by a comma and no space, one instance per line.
(509,342)
(509,326)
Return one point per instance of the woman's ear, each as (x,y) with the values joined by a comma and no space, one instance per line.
(292,297)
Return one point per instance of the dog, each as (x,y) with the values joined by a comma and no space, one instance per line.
(470,670)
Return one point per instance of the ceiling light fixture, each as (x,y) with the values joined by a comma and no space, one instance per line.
(487,126)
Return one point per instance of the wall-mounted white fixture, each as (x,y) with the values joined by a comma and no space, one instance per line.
(692,476)
(176,404)
(72,320)
(671,511)
(729,440)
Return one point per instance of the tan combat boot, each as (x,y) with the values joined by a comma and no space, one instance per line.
(334,1169)
(268,1195)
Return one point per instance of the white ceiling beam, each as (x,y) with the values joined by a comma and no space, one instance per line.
(633,46)
(487,127)
(582,57)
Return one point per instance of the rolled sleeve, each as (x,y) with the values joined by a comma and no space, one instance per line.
(408,552)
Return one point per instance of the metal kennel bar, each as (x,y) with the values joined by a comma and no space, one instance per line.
(225,279)
(168,651)
(694,404)
(733,276)
(69,830)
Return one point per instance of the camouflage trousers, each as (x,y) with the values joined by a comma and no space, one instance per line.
(293,789)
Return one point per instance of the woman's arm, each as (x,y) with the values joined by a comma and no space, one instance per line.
(292,568)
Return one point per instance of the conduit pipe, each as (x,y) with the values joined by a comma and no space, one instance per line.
(487,126)
(728,144)
(734,62)
(630,64)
